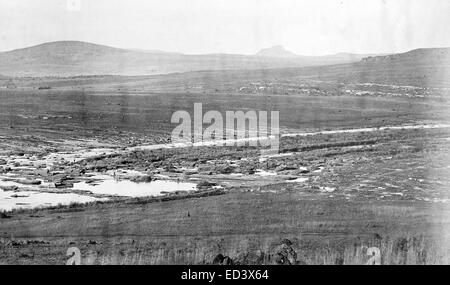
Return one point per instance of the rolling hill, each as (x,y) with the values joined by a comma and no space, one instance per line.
(73,58)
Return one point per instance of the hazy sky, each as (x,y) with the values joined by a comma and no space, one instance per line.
(312,27)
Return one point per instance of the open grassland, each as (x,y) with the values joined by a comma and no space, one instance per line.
(322,231)
(333,196)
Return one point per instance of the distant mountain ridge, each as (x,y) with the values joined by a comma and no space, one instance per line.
(428,55)
(276,51)
(73,58)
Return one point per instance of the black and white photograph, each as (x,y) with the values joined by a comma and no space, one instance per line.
(224,132)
